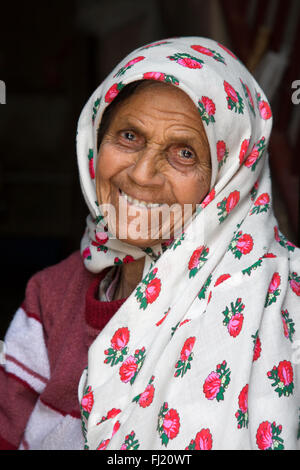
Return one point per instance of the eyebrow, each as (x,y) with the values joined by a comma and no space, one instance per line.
(186,136)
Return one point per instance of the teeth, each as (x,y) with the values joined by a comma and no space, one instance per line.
(138,203)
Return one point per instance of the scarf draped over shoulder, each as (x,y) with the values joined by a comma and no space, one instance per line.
(203,354)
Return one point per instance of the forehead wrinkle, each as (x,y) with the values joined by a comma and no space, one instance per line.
(173,128)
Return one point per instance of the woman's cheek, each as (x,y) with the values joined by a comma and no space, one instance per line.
(112,161)
(195,189)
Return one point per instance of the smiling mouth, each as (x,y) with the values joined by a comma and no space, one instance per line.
(138,202)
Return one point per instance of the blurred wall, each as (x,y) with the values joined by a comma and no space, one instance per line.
(52,56)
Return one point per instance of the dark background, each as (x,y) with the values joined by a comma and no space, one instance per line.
(52,57)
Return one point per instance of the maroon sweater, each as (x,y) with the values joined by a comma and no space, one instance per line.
(46,350)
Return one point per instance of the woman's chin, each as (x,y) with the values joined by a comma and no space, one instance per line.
(139,242)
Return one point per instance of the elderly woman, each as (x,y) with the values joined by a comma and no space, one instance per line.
(178,323)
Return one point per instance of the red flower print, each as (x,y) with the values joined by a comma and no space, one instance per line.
(112,413)
(256,154)
(131,442)
(197,260)
(116,428)
(128,369)
(171,423)
(245,244)
(265,110)
(276,234)
(184,321)
(273,291)
(186,357)
(264,436)
(295,286)
(217,382)
(118,349)
(187,60)
(257,349)
(154,76)
(243,399)
(252,157)
(148,292)
(120,339)
(274,284)
(208,198)
(203,440)
(193,263)
(267,436)
(269,255)
(91,164)
(221,279)
(128,65)
(282,377)
(203,50)
(221,150)
(162,77)
(285,372)
(242,413)
(233,317)
(113,92)
(209,105)
(163,318)
(134,61)
(262,199)
(187,348)
(101,238)
(128,259)
(87,402)
(86,254)
(194,260)
(231,92)
(212,385)
(153,290)
(232,201)
(285,328)
(190,63)
(235,324)
(146,397)
(103,444)
(207,110)
(243,151)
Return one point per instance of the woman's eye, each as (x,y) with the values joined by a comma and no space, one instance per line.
(128,135)
(186,154)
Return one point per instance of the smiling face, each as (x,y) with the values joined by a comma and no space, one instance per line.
(154,155)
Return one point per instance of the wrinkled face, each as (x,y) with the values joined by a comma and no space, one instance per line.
(153,160)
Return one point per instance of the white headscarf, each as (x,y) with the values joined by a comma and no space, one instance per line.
(203,354)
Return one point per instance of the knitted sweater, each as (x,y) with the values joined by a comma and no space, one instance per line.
(46,350)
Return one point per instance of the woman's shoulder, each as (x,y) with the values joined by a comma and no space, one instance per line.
(70,267)
(57,283)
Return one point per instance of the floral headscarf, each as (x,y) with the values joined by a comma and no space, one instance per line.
(203,354)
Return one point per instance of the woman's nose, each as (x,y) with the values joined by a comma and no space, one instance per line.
(145,171)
